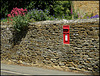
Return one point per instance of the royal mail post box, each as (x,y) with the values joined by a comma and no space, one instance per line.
(66,34)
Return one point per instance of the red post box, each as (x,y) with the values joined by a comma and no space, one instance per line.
(66,34)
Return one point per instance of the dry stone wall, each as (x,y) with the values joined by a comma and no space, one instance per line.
(43,44)
(87,6)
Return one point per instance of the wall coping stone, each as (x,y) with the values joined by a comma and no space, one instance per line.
(63,21)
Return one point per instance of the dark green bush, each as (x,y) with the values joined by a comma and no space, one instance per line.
(56,8)
(38,15)
(4,8)
(62,8)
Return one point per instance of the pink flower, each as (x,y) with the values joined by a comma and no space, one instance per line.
(25,9)
(12,15)
(9,15)
(21,9)
(23,13)
(11,11)
(71,11)
(19,12)
(16,13)
(16,8)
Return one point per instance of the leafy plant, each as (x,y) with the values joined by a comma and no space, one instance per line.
(56,9)
(3,20)
(62,8)
(16,11)
(17,16)
(4,8)
(20,23)
(96,16)
(7,6)
(74,14)
(38,15)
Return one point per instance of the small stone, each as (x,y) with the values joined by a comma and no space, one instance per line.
(61,63)
(90,69)
(57,67)
(81,66)
(20,61)
(53,59)
(72,68)
(24,63)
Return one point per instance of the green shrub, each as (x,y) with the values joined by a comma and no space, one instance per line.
(20,23)
(4,8)
(62,8)
(38,15)
(58,9)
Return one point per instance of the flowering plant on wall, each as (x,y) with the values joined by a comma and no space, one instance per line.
(96,16)
(17,17)
(16,11)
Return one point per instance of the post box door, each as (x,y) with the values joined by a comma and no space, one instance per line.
(66,34)
(66,38)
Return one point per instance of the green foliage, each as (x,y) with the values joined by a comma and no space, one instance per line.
(87,15)
(58,9)
(61,8)
(3,20)
(20,23)
(31,5)
(74,14)
(8,5)
(4,8)
(38,15)
(79,14)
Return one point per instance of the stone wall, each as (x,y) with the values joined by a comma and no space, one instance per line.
(43,44)
(87,6)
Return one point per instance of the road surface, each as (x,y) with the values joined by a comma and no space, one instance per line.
(26,70)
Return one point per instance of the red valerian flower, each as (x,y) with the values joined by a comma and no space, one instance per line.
(17,11)
(12,15)
(23,13)
(9,15)
(25,9)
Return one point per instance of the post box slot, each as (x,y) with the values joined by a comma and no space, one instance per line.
(65,30)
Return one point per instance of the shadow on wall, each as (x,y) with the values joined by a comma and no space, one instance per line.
(17,37)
